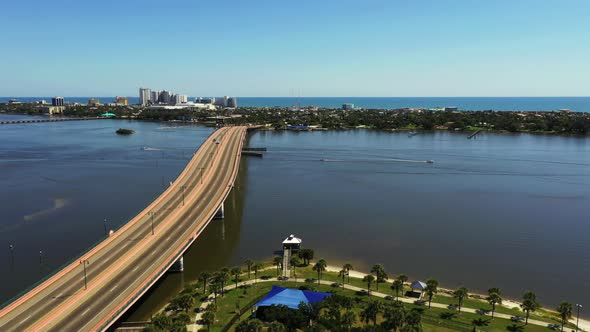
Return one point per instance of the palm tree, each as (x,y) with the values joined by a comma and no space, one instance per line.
(256,266)
(397,286)
(494,297)
(565,312)
(371,311)
(236,271)
(380,274)
(306,255)
(431,289)
(319,267)
(277,261)
(295,261)
(204,278)
(342,274)
(460,294)
(208,318)
(529,304)
(394,316)
(215,288)
(348,267)
(348,319)
(369,279)
(222,276)
(249,264)
(403,278)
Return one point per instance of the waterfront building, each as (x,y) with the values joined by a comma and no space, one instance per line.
(50,110)
(57,101)
(202,100)
(93,102)
(347,106)
(222,102)
(232,102)
(144,96)
(451,109)
(121,101)
(154,97)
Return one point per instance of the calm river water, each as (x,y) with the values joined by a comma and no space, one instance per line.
(508,211)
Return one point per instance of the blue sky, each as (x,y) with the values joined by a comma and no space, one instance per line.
(290,48)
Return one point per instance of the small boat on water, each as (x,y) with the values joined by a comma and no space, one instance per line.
(430,161)
(412,133)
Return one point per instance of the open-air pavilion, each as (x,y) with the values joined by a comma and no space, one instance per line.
(290,297)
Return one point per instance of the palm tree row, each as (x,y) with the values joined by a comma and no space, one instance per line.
(218,280)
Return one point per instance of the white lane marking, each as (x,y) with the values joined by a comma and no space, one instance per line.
(85,312)
(135,269)
(24,320)
(112,289)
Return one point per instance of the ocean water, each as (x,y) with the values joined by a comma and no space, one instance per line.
(578,104)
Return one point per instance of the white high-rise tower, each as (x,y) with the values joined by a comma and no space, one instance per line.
(144,96)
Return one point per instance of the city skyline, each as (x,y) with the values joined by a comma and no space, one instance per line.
(265,49)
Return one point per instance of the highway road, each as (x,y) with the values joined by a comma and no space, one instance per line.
(124,266)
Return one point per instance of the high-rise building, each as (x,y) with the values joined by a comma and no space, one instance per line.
(181,99)
(221,101)
(232,102)
(57,101)
(164,97)
(154,97)
(144,96)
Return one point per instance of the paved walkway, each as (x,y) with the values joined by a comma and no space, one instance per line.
(196,327)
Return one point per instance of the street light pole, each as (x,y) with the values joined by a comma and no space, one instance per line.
(183,187)
(152,213)
(105,227)
(579,306)
(85,262)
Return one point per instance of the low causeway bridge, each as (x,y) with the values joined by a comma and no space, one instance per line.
(92,292)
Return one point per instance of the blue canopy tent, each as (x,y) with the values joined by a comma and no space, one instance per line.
(290,297)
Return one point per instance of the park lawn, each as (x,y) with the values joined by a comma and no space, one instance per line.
(433,319)
(542,315)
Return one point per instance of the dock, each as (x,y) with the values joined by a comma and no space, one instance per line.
(474,134)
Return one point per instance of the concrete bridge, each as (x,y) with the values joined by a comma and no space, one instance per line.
(92,292)
(50,120)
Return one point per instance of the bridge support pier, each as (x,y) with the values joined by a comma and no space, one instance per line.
(220,213)
(178,266)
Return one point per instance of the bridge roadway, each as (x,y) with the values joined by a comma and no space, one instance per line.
(125,265)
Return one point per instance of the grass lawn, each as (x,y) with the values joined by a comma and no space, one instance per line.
(434,319)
